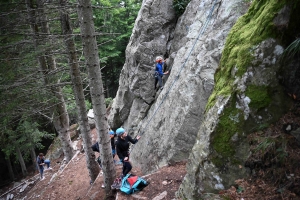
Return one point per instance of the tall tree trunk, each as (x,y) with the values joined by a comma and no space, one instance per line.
(47,63)
(33,156)
(90,50)
(10,169)
(21,160)
(61,120)
(92,166)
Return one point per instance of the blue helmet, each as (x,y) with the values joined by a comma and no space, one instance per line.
(120,131)
(111,132)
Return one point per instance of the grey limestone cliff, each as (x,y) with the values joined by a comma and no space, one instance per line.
(224,82)
(248,93)
(193,43)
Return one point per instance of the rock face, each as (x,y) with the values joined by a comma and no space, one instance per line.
(247,94)
(194,43)
(216,93)
(152,31)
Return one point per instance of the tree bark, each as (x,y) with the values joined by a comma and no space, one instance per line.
(10,169)
(33,157)
(21,160)
(92,166)
(90,50)
(47,63)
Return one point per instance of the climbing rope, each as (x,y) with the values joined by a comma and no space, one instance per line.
(202,30)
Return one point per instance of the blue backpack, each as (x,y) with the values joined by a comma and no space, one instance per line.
(132,184)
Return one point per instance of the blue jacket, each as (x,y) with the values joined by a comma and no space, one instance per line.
(159,68)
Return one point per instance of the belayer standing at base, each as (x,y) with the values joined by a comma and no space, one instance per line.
(122,148)
(159,71)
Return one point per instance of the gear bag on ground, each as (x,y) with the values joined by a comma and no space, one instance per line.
(132,184)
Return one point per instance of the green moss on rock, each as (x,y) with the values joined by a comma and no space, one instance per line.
(259,96)
(230,123)
(251,29)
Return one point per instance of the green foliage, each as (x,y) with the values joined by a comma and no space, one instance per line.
(270,147)
(29,134)
(240,189)
(23,95)
(88,105)
(262,126)
(108,102)
(71,103)
(179,6)
(115,21)
(291,50)
(266,144)
(26,135)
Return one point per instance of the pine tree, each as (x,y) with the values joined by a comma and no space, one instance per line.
(90,50)
(92,166)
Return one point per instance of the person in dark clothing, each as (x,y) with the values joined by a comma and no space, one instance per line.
(95,147)
(112,142)
(159,71)
(41,161)
(122,148)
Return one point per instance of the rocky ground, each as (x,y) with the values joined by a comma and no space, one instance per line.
(274,162)
(72,182)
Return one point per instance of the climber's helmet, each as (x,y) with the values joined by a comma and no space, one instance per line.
(120,131)
(111,132)
(158,59)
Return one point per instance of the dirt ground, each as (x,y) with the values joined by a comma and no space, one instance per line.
(274,162)
(72,183)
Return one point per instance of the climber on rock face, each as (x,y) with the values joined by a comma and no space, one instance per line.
(122,148)
(159,71)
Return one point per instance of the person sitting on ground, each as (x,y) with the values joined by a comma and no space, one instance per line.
(159,71)
(122,148)
(40,161)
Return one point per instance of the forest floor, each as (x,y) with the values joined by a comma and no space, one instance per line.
(73,183)
(275,166)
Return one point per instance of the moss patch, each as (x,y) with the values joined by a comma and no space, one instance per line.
(230,123)
(251,29)
(259,96)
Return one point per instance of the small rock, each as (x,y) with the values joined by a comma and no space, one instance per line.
(296,134)
(289,127)
(9,196)
(164,182)
(16,184)
(31,182)
(138,196)
(53,177)
(160,196)
(23,187)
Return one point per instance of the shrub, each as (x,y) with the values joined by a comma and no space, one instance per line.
(180,5)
